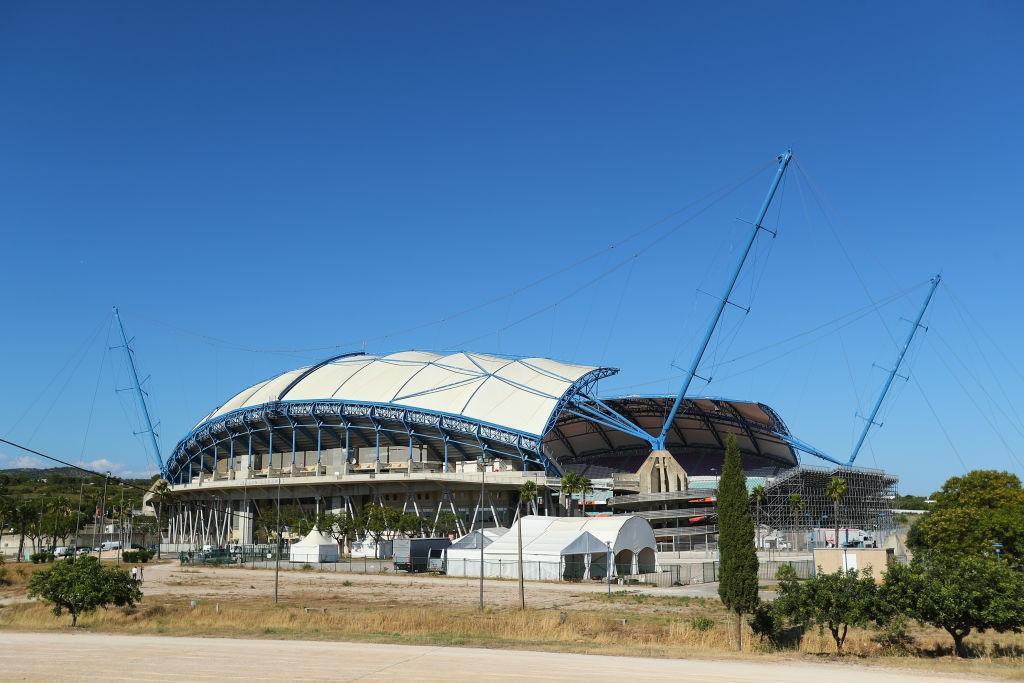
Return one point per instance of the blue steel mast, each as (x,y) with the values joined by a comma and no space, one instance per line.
(892,373)
(139,394)
(692,371)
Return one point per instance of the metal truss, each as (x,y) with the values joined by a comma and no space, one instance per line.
(796,500)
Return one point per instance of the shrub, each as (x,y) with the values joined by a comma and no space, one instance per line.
(894,637)
(41,557)
(702,624)
(132,556)
(80,586)
(4,581)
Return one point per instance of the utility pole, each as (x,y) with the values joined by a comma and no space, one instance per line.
(519,527)
(483,478)
(691,372)
(102,516)
(277,560)
(895,369)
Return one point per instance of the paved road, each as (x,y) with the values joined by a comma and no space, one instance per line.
(90,656)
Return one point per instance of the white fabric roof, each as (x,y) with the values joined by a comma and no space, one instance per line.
(556,536)
(315,538)
(517,394)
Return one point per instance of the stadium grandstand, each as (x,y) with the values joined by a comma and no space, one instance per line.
(414,429)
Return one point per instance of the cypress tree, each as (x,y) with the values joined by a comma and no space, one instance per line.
(737,556)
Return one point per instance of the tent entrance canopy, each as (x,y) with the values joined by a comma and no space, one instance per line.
(315,547)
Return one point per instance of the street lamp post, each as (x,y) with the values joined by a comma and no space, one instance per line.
(277,555)
(483,460)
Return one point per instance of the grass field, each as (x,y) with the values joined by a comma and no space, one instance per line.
(409,612)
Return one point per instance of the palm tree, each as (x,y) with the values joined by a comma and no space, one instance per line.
(528,492)
(796,506)
(757,495)
(570,485)
(585,487)
(835,490)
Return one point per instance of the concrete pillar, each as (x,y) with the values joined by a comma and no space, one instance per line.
(244,522)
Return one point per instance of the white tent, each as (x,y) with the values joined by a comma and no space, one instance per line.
(573,548)
(463,556)
(315,547)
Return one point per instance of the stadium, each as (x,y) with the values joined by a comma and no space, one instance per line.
(461,433)
(414,430)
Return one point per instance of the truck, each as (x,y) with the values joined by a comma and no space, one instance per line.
(415,554)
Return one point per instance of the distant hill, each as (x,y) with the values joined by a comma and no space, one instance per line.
(50,473)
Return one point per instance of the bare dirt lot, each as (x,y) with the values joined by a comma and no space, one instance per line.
(85,656)
(226,583)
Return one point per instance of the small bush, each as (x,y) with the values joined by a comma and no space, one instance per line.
(767,624)
(346,582)
(4,581)
(702,624)
(133,556)
(41,557)
(307,567)
(895,637)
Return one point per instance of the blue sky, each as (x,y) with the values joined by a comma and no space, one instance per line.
(255,185)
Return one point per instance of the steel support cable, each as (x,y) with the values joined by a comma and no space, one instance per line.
(95,393)
(849,259)
(67,381)
(995,429)
(88,340)
(938,421)
(858,314)
(618,310)
(981,328)
(996,404)
(724,190)
(599,277)
(112,477)
(984,358)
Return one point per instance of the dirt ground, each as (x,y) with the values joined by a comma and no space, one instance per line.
(88,656)
(226,583)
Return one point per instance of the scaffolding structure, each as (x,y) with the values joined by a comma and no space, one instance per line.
(796,502)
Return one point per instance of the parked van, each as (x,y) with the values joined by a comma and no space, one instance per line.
(110,545)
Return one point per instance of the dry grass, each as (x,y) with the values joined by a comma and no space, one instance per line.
(655,630)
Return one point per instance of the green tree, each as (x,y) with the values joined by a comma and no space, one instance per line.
(836,601)
(79,586)
(446,523)
(958,593)
(836,490)
(411,525)
(737,556)
(758,495)
(380,522)
(338,525)
(573,483)
(528,493)
(974,511)
(796,507)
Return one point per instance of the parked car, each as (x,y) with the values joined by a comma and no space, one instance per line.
(110,545)
(84,550)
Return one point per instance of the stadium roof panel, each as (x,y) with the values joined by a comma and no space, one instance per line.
(520,394)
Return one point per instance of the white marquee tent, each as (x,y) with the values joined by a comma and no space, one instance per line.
(315,547)
(463,556)
(568,548)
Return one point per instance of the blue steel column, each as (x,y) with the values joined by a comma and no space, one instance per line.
(692,371)
(144,409)
(895,369)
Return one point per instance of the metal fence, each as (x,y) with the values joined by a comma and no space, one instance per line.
(567,569)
